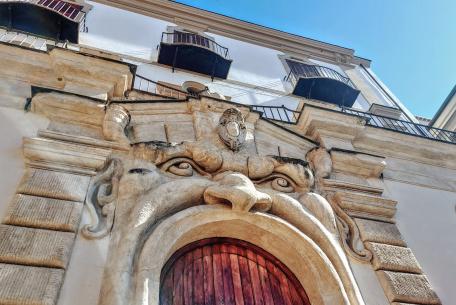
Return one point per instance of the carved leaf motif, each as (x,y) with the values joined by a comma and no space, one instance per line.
(349,233)
(101,199)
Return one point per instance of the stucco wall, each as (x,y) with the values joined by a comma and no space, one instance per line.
(14,125)
(256,75)
(84,274)
(426,218)
(368,283)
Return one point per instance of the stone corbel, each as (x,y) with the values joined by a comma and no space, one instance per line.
(115,121)
(328,127)
(320,162)
(321,165)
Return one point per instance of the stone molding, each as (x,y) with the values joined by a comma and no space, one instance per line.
(332,128)
(41,152)
(63,70)
(366,206)
(351,162)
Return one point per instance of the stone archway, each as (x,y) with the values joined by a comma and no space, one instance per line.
(228,271)
(324,274)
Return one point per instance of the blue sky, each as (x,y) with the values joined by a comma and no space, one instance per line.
(412,43)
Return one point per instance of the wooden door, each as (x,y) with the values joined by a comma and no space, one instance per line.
(223,271)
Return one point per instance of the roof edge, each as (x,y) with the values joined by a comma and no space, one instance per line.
(182,14)
(443,106)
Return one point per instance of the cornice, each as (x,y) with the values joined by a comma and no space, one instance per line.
(181,14)
(345,130)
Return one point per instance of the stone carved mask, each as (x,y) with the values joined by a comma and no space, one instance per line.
(160,180)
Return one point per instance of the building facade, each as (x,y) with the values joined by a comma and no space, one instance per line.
(217,162)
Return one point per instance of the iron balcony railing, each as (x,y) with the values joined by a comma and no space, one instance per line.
(29,40)
(300,70)
(144,84)
(286,115)
(405,127)
(278,113)
(178,37)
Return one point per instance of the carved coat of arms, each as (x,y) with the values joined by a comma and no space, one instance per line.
(231,129)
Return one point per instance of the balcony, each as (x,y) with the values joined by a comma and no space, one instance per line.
(321,83)
(29,41)
(278,113)
(405,127)
(286,115)
(51,19)
(195,53)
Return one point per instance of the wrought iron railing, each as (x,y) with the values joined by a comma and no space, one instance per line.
(178,37)
(29,40)
(405,127)
(144,84)
(278,113)
(301,70)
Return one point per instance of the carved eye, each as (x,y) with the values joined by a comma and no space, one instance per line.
(279,182)
(282,185)
(183,167)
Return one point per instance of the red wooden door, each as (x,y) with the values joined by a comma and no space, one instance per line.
(223,271)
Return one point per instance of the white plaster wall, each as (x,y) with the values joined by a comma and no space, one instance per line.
(14,125)
(426,217)
(136,35)
(368,283)
(123,32)
(239,93)
(84,274)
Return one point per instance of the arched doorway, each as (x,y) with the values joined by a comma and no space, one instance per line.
(228,271)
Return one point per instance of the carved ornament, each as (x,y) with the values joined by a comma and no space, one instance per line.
(231,129)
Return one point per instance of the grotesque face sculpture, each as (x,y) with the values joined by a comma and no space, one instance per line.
(159,180)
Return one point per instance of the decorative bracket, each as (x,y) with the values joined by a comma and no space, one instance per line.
(101,199)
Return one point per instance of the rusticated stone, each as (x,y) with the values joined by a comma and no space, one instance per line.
(393,258)
(408,288)
(44,213)
(380,232)
(29,246)
(26,285)
(54,184)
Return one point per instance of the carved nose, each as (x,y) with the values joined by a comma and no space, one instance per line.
(238,191)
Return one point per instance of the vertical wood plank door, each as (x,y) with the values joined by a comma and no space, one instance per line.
(225,271)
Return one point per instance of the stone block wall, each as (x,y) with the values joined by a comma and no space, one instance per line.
(38,234)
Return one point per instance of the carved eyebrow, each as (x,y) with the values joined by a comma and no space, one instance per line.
(290,160)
